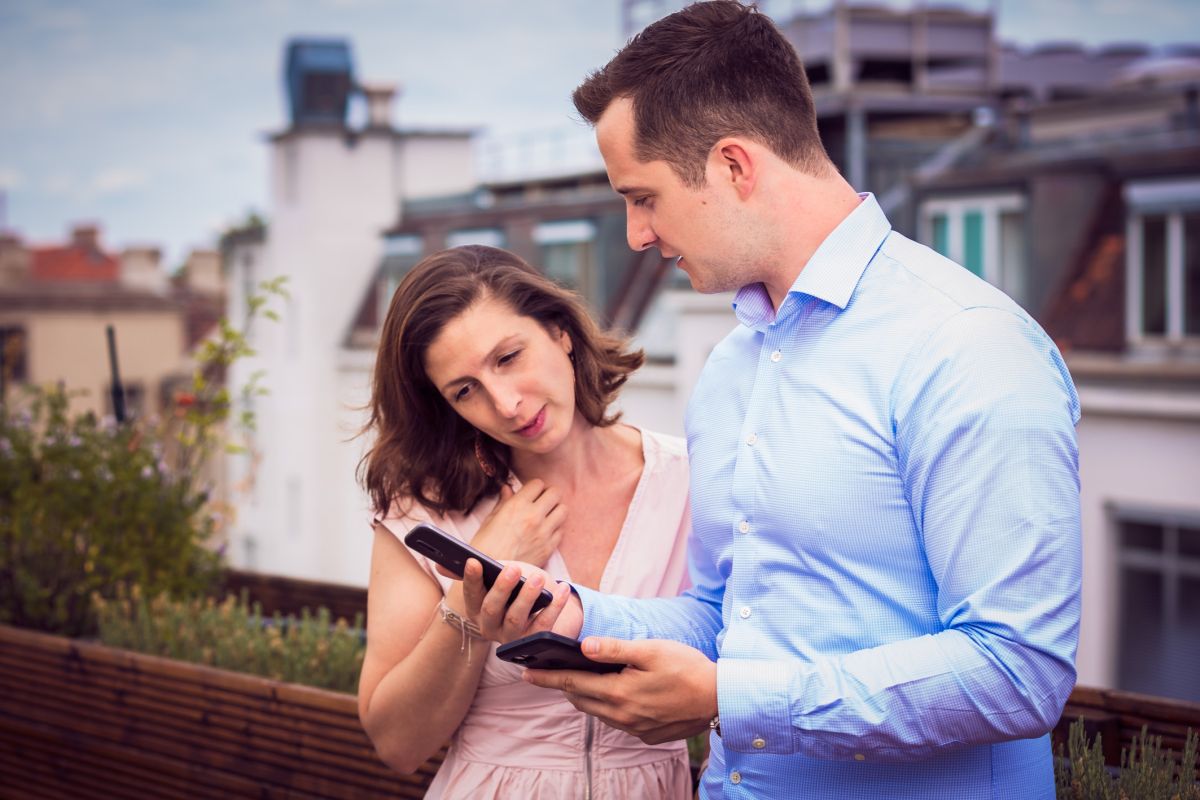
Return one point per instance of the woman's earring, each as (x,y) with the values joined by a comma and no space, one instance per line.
(481,457)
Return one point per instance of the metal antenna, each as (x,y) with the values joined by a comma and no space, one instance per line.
(118,391)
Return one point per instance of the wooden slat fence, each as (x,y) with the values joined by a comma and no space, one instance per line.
(83,720)
(1119,716)
(289,595)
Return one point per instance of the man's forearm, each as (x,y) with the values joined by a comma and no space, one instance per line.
(689,618)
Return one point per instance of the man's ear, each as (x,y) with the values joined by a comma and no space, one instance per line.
(737,165)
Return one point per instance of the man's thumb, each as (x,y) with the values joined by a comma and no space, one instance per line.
(608,651)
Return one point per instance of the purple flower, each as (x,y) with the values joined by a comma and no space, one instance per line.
(147,471)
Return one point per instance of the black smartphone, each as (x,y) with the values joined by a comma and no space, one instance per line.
(452,553)
(546,650)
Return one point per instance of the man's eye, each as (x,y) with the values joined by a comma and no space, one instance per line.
(641,202)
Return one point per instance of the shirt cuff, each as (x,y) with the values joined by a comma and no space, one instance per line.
(755,707)
(595,621)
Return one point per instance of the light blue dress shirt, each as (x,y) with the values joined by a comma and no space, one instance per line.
(886,546)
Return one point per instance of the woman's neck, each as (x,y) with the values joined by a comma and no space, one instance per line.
(587,454)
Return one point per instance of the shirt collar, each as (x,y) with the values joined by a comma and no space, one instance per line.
(833,270)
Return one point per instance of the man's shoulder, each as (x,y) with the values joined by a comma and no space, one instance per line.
(936,283)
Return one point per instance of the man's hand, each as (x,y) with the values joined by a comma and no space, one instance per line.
(667,690)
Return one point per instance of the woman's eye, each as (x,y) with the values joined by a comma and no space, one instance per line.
(462,394)
(508,358)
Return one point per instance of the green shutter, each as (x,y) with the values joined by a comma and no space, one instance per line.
(973,242)
(941,233)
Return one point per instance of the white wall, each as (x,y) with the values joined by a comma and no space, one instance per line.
(1137,448)
(436,166)
(331,198)
(656,396)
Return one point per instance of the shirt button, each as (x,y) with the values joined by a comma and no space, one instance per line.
(759,743)
(776,356)
(859,757)
(751,439)
(744,527)
(735,777)
(745,612)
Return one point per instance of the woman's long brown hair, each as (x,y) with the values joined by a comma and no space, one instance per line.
(422,449)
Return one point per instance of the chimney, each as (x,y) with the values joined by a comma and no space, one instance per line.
(202,272)
(86,237)
(379,104)
(14,261)
(141,268)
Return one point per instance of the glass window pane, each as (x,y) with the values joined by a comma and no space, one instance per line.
(1154,274)
(940,228)
(1179,679)
(1189,542)
(490,237)
(566,264)
(1013,278)
(1141,536)
(973,242)
(1141,646)
(1191,274)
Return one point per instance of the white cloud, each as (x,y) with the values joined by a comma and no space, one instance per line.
(115,180)
(60,184)
(11,179)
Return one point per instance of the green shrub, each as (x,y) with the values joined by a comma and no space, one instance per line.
(310,649)
(84,506)
(1147,771)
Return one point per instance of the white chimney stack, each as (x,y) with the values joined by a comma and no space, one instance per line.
(379,103)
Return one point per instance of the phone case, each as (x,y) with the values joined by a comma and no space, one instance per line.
(452,553)
(548,650)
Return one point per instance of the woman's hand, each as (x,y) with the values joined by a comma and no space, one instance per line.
(502,622)
(525,526)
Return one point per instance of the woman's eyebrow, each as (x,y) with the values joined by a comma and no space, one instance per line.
(501,345)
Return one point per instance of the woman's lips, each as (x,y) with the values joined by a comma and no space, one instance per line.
(535,425)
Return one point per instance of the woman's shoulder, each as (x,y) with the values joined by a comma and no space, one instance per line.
(663,446)
(404,514)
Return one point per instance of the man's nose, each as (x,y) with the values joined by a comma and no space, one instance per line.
(638,230)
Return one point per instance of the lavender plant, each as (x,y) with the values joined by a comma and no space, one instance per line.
(232,634)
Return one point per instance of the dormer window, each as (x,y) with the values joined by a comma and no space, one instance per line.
(1162,260)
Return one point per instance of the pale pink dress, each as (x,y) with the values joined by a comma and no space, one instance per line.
(520,741)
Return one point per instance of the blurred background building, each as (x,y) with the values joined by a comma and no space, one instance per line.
(1068,176)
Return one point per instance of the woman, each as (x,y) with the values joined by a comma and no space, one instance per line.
(490,410)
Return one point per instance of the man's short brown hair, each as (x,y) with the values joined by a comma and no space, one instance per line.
(712,70)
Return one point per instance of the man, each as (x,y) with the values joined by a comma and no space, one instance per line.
(885,490)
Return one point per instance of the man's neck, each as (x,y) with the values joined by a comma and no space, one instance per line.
(810,209)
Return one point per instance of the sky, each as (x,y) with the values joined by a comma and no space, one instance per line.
(149,117)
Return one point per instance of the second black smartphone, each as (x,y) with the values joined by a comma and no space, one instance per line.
(452,553)
(546,650)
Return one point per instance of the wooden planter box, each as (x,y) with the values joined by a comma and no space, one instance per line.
(83,720)
(1119,716)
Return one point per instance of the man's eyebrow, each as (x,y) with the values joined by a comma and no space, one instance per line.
(627,189)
